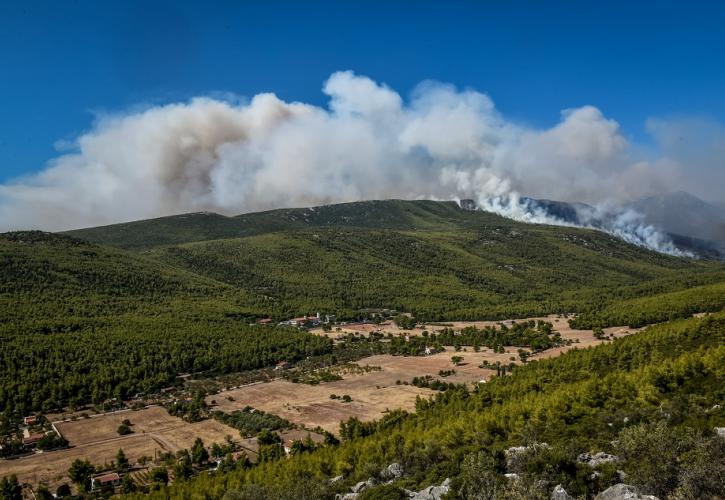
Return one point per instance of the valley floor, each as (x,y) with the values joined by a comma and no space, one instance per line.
(385,387)
(375,392)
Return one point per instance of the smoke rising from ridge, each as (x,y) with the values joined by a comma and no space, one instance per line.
(369,143)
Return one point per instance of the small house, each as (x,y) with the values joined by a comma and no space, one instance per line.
(110,479)
(32,440)
(30,420)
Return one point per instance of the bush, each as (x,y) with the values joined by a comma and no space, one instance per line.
(661,459)
(63,491)
(124,430)
(383,492)
(160,475)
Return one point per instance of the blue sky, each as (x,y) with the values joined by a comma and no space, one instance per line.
(62,62)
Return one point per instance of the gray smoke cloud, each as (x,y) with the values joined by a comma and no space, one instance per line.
(369,143)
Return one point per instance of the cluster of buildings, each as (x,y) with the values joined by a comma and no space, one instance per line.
(308,321)
(30,438)
(33,431)
(311,321)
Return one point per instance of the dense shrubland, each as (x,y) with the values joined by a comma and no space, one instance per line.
(472,274)
(250,421)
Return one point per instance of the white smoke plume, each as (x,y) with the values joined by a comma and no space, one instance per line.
(369,143)
(623,223)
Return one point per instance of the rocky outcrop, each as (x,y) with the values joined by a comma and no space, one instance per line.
(516,454)
(431,492)
(392,472)
(362,485)
(560,493)
(623,492)
(597,459)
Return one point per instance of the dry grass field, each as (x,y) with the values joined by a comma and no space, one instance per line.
(51,468)
(377,391)
(372,393)
(561,324)
(98,428)
(311,406)
(96,439)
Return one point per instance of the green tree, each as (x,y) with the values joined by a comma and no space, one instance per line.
(160,475)
(121,461)
(127,485)
(199,454)
(523,355)
(43,493)
(270,452)
(405,322)
(124,430)
(266,436)
(63,491)
(52,441)
(217,451)
(653,454)
(479,476)
(80,472)
(10,488)
(183,469)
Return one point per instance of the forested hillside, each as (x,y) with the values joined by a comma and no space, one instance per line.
(431,258)
(652,400)
(82,323)
(491,272)
(389,214)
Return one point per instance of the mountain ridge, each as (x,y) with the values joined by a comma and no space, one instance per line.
(688,229)
(384,214)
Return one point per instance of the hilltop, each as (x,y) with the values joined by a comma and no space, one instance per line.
(433,258)
(201,226)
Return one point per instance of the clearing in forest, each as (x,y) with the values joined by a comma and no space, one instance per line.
(376,391)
